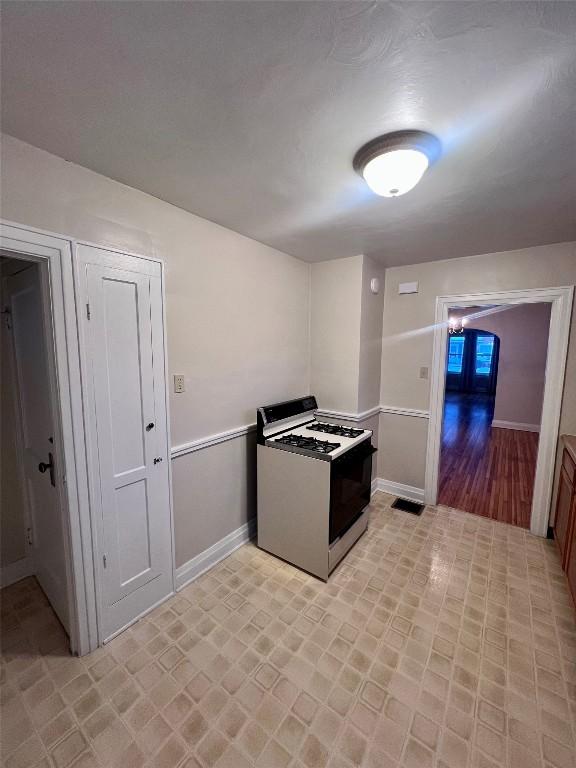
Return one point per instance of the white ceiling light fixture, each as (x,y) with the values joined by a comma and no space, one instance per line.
(456,325)
(393,164)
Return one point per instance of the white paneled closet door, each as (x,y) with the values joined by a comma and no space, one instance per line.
(124,357)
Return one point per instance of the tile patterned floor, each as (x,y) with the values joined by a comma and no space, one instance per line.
(447,640)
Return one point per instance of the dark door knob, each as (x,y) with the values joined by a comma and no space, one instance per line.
(158,460)
(42,467)
(149,426)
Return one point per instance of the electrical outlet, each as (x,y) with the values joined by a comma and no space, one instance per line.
(424,372)
(179,385)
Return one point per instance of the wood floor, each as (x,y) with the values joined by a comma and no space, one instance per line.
(486,471)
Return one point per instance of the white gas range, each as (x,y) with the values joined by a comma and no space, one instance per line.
(314,481)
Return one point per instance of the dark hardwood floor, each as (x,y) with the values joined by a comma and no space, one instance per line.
(488,472)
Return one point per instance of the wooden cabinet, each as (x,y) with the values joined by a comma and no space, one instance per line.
(570,566)
(565,520)
(562,523)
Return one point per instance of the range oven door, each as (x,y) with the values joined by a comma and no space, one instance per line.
(350,485)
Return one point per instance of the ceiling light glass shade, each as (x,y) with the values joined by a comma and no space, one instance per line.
(396,172)
(393,164)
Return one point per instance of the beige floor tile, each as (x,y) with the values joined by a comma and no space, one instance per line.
(446,640)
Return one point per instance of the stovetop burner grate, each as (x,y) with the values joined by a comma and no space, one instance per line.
(308,443)
(335,429)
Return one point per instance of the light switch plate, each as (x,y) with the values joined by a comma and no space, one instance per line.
(424,372)
(179,385)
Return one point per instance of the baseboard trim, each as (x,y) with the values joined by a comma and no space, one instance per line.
(409,492)
(13,572)
(198,565)
(499,424)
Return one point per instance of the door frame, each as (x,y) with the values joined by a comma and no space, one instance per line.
(561,310)
(54,255)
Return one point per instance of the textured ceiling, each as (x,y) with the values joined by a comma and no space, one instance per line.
(249,114)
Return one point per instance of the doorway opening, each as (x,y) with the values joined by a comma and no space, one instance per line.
(494,388)
(32,518)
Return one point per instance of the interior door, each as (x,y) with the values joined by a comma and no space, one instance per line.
(41,452)
(123,329)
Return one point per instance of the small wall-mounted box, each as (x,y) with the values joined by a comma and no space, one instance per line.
(408,287)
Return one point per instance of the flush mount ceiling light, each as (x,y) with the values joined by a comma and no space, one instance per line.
(393,164)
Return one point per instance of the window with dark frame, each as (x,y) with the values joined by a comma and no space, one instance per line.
(456,354)
(484,354)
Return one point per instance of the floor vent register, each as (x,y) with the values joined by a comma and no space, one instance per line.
(408,506)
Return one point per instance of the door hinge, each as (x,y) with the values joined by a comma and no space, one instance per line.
(104,560)
(7,314)
(29,537)
(88,311)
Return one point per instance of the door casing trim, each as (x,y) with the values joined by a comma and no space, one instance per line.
(561,310)
(54,253)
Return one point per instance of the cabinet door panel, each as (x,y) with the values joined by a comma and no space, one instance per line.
(568,466)
(570,566)
(562,522)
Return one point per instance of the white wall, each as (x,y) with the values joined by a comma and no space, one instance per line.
(370,336)
(335,318)
(346,339)
(407,339)
(238,321)
(346,334)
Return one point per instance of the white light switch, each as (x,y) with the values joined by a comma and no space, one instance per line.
(179,385)
(424,372)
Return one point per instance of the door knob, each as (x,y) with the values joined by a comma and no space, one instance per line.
(42,467)
(149,426)
(157,460)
